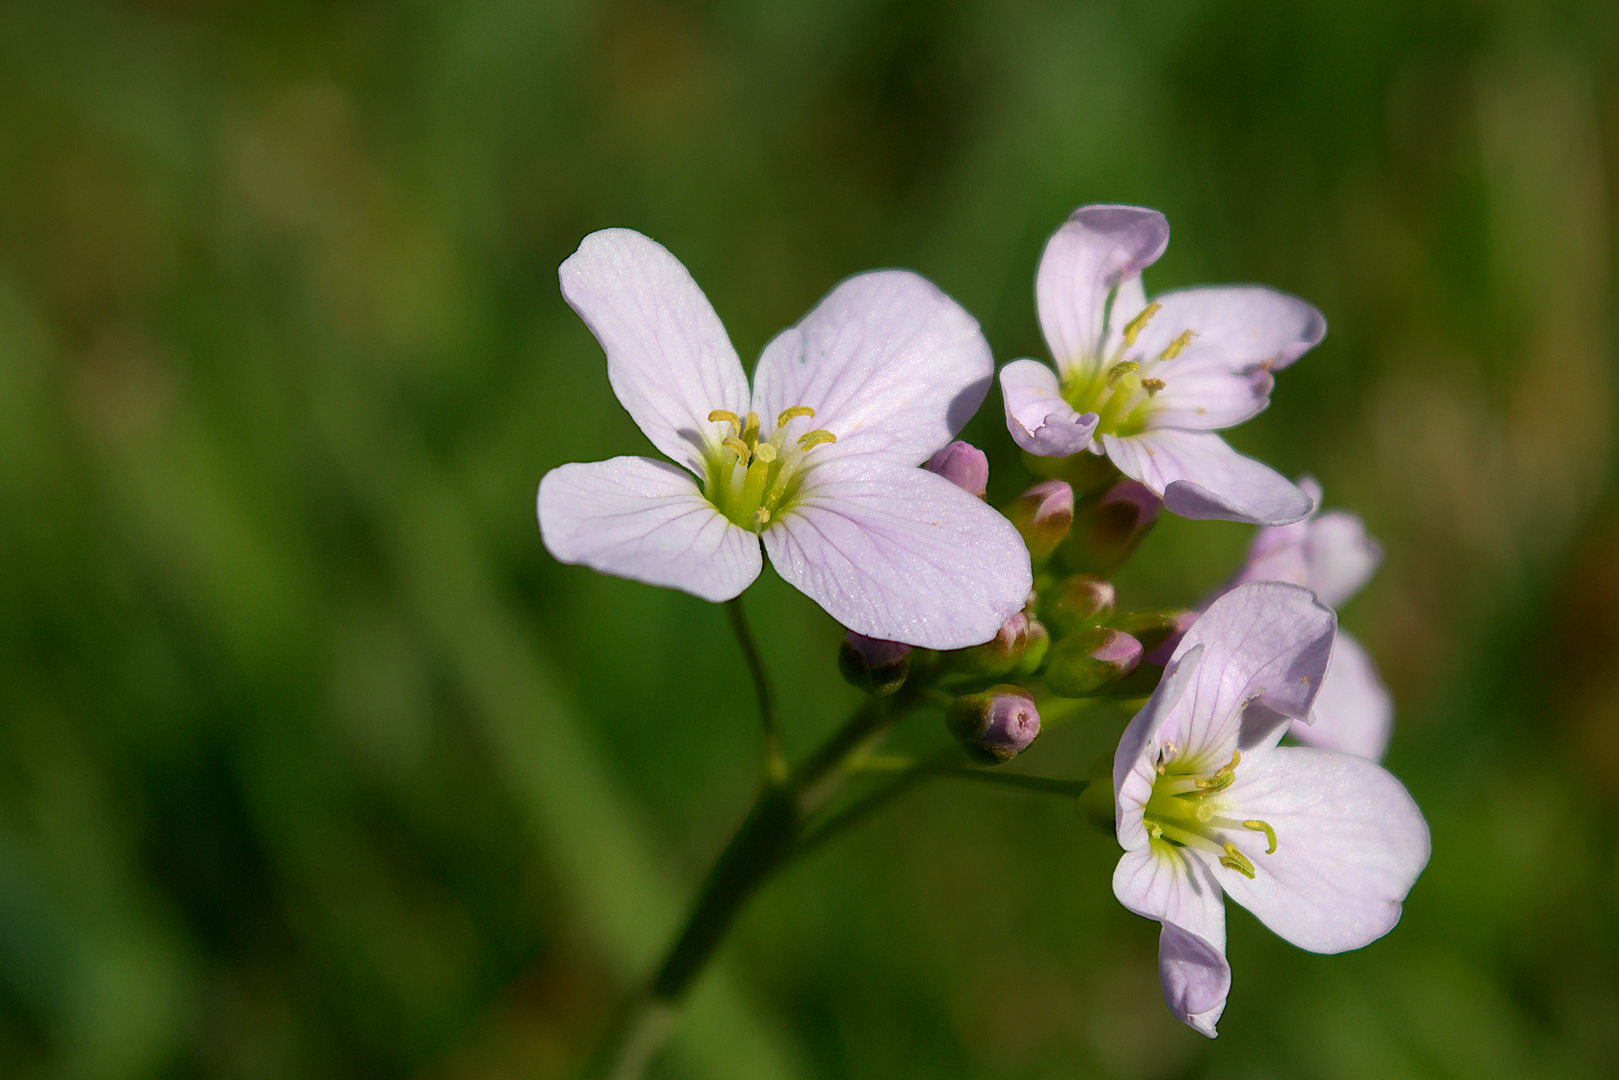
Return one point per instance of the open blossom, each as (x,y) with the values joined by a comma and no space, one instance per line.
(1331,555)
(1149,384)
(818,461)
(1321,846)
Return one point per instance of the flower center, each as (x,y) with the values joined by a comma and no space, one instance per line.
(752,482)
(1185,810)
(1120,389)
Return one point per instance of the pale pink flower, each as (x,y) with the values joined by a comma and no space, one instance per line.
(1321,846)
(1150,384)
(818,461)
(1332,555)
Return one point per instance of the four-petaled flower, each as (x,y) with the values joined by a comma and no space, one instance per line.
(1150,384)
(819,461)
(1321,846)
(1331,555)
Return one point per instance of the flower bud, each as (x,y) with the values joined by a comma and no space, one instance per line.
(1108,532)
(999,654)
(1077,602)
(1156,628)
(1034,650)
(1083,663)
(996,725)
(877,667)
(1043,514)
(964,465)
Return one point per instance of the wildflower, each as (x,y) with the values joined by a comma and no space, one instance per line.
(818,461)
(1321,846)
(1331,555)
(1150,384)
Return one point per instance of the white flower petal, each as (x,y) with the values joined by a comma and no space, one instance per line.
(1350,843)
(1040,421)
(1203,396)
(668,358)
(889,363)
(1093,251)
(1340,556)
(1240,326)
(1195,978)
(1353,712)
(1128,300)
(1265,649)
(1198,476)
(1136,757)
(645,520)
(901,554)
(1172,885)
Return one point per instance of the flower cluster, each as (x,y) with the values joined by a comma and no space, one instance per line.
(840,461)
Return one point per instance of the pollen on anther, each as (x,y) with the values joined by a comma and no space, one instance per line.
(1120,370)
(1183,339)
(788,415)
(815,438)
(1152,386)
(1133,328)
(728,417)
(738,447)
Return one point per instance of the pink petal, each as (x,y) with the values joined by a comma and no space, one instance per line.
(1265,649)
(1195,978)
(1353,712)
(901,554)
(1198,476)
(1085,259)
(1239,326)
(645,520)
(1350,843)
(1169,884)
(1040,421)
(1340,556)
(889,363)
(668,358)
(1202,396)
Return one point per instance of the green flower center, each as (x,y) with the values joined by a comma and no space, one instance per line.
(1185,810)
(753,482)
(1117,390)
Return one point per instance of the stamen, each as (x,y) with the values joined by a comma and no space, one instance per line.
(763,515)
(1120,370)
(729,417)
(1184,339)
(1152,386)
(1264,827)
(788,415)
(1166,755)
(750,430)
(1133,328)
(738,447)
(1223,776)
(1236,860)
(815,438)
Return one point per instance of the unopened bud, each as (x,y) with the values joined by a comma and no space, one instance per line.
(1034,650)
(999,654)
(996,725)
(1156,628)
(877,667)
(1082,663)
(1108,532)
(1043,514)
(964,465)
(1077,602)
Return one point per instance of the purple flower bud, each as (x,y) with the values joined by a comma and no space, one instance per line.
(1034,650)
(1082,663)
(999,654)
(996,725)
(964,465)
(1043,515)
(1108,533)
(1077,602)
(877,667)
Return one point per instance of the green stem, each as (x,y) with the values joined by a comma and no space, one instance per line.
(775,764)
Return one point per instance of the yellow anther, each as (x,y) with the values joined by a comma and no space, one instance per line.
(1230,766)
(815,438)
(750,430)
(762,514)
(738,447)
(792,413)
(1166,755)
(1120,370)
(1264,827)
(1236,860)
(765,453)
(1181,341)
(1222,777)
(1155,830)
(728,417)
(1133,328)
(1152,386)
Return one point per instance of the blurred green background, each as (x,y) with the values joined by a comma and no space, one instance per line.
(314,764)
